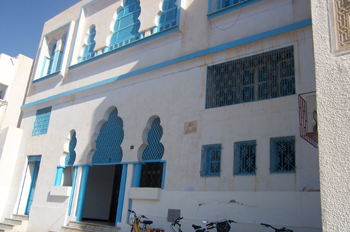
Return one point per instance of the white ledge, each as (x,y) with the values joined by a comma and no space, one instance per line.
(145,193)
(60,191)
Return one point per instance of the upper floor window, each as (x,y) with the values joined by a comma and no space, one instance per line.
(245,157)
(52,52)
(89,45)
(211,160)
(41,121)
(263,76)
(227,3)
(217,7)
(127,25)
(153,170)
(282,154)
(168,18)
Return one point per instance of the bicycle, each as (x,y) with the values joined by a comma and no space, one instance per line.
(221,226)
(137,220)
(283,229)
(177,224)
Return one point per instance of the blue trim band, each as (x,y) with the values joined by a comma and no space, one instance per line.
(82,193)
(218,48)
(72,192)
(58,178)
(47,77)
(137,175)
(35,158)
(121,194)
(127,46)
(82,165)
(228,9)
(163,178)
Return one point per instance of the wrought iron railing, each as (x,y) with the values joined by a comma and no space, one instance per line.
(259,77)
(211,160)
(41,123)
(244,157)
(282,154)
(309,136)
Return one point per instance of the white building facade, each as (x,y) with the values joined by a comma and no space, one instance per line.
(193,107)
(331,44)
(14,78)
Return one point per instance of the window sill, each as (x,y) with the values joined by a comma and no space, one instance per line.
(47,76)
(145,193)
(283,172)
(244,174)
(60,191)
(129,45)
(231,8)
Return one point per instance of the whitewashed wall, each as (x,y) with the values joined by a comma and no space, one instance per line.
(176,93)
(332,85)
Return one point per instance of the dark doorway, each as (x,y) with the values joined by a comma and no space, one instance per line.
(102,193)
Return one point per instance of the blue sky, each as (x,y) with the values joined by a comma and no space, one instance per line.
(22,22)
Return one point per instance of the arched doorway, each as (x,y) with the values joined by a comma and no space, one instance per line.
(105,176)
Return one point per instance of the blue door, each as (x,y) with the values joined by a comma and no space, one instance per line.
(32,185)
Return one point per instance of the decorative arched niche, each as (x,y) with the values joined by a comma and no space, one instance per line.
(107,139)
(65,171)
(125,25)
(87,51)
(151,153)
(167,17)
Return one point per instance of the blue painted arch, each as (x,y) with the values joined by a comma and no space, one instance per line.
(109,140)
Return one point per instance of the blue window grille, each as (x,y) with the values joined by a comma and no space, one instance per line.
(244,157)
(155,149)
(259,77)
(70,158)
(227,3)
(127,25)
(211,160)
(282,154)
(41,121)
(108,143)
(169,16)
(89,49)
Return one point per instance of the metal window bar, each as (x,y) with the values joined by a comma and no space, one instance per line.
(211,160)
(109,140)
(127,25)
(70,158)
(152,175)
(303,123)
(245,157)
(154,149)
(259,77)
(282,154)
(41,123)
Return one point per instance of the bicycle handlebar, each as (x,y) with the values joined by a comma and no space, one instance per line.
(283,229)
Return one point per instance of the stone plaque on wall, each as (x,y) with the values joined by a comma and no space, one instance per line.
(342,22)
(173,214)
(190,127)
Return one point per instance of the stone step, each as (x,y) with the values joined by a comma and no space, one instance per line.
(20,217)
(89,227)
(13,221)
(6,226)
(74,229)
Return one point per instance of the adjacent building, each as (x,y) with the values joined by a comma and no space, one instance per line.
(200,109)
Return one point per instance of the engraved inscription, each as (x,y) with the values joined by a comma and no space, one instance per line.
(342,20)
(190,127)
